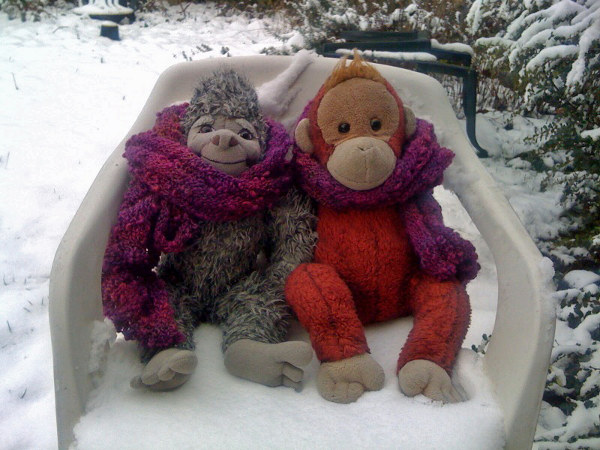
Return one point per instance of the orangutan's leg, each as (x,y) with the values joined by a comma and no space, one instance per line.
(324,306)
(441,313)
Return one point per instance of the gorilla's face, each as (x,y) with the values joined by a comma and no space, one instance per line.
(229,144)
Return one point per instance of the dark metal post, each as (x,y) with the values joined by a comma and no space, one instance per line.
(470,108)
(110,30)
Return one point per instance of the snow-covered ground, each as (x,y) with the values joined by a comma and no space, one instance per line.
(68,98)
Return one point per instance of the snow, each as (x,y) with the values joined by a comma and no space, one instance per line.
(105,7)
(594,134)
(550,53)
(581,421)
(216,410)
(69,97)
(296,39)
(453,46)
(276,95)
(588,37)
(573,340)
(400,56)
(579,279)
(474,17)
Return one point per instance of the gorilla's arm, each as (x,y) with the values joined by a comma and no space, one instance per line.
(134,298)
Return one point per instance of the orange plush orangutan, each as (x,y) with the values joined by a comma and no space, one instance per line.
(383,250)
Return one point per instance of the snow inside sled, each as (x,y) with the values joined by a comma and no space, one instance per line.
(96,408)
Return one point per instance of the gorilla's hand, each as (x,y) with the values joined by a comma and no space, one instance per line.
(167,370)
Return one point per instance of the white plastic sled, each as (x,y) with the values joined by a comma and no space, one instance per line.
(514,365)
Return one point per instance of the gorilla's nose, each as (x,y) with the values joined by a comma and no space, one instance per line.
(224,141)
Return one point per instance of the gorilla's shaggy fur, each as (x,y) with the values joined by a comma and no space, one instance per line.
(227,243)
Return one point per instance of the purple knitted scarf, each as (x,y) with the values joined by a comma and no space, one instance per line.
(161,162)
(442,252)
(171,192)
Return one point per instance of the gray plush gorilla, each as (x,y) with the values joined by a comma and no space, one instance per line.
(208,231)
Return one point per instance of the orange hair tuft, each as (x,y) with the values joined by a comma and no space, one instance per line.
(358,68)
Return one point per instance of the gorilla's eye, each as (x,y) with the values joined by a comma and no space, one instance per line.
(375,124)
(206,128)
(344,127)
(244,133)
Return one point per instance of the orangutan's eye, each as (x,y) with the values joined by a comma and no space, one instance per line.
(344,127)
(244,133)
(375,124)
(206,128)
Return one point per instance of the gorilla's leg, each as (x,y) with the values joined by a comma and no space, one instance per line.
(254,329)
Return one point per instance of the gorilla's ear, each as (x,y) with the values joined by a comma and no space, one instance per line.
(410,122)
(302,136)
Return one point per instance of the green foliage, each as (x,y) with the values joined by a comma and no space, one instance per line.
(481,348)
(492,17)
(573,383)
(578,171)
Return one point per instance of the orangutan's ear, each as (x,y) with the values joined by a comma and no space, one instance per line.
(410,122)
(302,136)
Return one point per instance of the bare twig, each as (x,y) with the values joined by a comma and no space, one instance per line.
(184,9)
(15,81)
(23,394)
(9,327)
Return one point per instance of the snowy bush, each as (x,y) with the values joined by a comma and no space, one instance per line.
(549,52)
(261,5)
(552,51)
(491,17)
(323,20)
(571,408)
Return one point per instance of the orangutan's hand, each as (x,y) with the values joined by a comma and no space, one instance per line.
(425,377)
(345,381)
